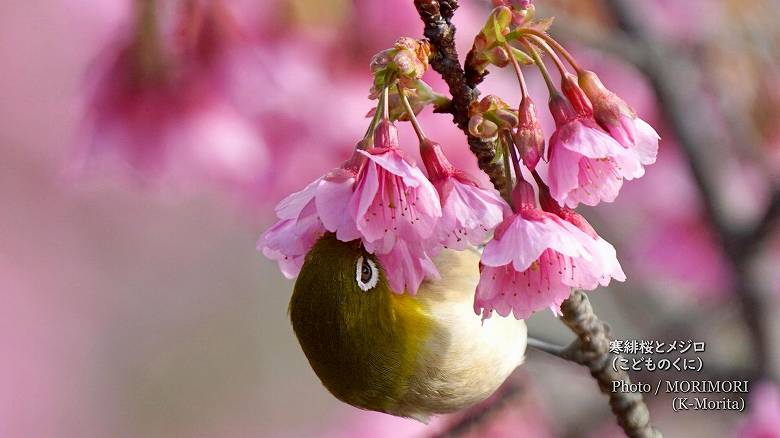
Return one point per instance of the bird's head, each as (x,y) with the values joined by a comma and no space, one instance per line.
(360,337)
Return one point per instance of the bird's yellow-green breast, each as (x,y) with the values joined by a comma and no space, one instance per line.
(405,355)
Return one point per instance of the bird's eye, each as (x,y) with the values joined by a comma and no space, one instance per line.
(366,274)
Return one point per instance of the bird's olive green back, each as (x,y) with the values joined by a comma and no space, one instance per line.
(363,345)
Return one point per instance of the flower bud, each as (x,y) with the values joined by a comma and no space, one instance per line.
(576,96)
(407,64)
(480,42)
(386,135)
(407,61)
(507,118)
(482,128)
(561,109)
(529,137)
(436,163)
(380,61)
(491,103)
(498,23)
(609,110)
(522,10)
(498,56)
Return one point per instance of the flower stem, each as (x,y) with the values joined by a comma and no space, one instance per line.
(515,158)
(538,180)
(507,192)
(381,103)
(385,103)
(518,72)
(415,124)
(542,68)
(555,44)
(546,47)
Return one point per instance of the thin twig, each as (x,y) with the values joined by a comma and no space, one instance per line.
(547,347)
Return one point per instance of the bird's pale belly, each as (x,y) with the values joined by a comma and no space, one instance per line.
(463,362)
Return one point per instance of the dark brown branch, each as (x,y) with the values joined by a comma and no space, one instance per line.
(436,15)
(592,351)
(591,419)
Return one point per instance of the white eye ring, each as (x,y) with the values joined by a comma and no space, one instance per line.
(366,285)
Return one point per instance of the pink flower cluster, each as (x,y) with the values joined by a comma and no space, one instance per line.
(599,142)
(163,97)
(538,254)
(539,250)
(382,198)
(536,257)
(405,218)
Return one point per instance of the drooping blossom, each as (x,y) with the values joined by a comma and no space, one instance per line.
(469,212)
(529,137)
(306,215)
(621,122)
(536,258)
(407,264)
(605,252)
(132,97)
(380,197)
(586,164)
(763,420)
(393,205)
(159,102)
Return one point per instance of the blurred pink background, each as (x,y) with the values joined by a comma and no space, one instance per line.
(138,307)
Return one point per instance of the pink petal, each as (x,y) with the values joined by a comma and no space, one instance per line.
(563,172)
(523,242)
(291,206)
(288,242)
(468,213)
(586,138)
(332,198)
(406,266)
(394,163)
(646,142)
(598,181)
(599,269)
(363,199)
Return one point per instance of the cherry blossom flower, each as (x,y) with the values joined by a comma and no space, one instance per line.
(290,239)
(407,264)
(379,196)
(163,105)
(535,258)
(469,212)
(586,164)
(620,120)
(395,204)
(306,215)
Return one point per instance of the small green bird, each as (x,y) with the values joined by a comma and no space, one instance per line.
(409,356)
